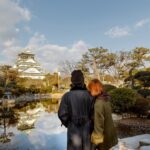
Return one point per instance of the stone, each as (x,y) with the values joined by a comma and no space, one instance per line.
(144,142)
(145,148)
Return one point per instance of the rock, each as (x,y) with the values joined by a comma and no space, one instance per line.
(145,148)
(144,142)
(132,143)
(25,127)
(116,117)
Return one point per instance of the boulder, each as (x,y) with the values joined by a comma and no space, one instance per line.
(145,148)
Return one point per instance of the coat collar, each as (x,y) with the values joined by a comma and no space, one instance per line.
(78,87)
(104,96)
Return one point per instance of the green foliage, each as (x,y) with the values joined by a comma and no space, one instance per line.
(2,81)
(122,99)
(137,57)
(141,106)
(143,77)
(1,91)
(52,79)
(46,89)
(108,87)
(33,89)
(144,92)
(32,105)
(96,59)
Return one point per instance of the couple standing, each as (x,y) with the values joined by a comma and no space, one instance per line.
(87,115)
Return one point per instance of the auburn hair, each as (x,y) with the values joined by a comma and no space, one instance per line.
(95,85)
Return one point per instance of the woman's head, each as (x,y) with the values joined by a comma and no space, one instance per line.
(95,87)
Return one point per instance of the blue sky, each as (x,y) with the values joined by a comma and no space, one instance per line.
(69,27)
(67,21)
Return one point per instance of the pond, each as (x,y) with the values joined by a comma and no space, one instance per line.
(33,127)
(36,127)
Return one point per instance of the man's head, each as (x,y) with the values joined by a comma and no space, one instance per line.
(77,77)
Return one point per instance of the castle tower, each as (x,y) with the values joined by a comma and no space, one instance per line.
(28,67)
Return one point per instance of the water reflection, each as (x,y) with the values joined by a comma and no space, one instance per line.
(36,126)
(7,117)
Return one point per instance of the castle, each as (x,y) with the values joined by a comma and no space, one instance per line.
(28,67)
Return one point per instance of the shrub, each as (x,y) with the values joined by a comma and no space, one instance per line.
(122,99)
(108,87)
(46,89)
(144,92)
(141,106)
(1,91)
(143,77)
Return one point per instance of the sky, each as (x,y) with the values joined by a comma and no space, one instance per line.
(59,30)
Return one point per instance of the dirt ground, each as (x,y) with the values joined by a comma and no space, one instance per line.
(132,127)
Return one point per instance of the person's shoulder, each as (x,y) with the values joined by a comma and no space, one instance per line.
(103,102)
(87,93)
(104,97)
(66,94)
(99,102)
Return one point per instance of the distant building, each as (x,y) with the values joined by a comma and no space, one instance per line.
(28,67)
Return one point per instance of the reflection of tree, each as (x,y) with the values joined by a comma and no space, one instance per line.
(7,117)
(29,115)
(51,105)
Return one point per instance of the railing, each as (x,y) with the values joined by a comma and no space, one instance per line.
(33,97)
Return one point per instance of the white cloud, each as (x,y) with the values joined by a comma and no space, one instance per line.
(27,29)
(36,40)
(11,15)
(49,55)
(17,30)
(9,43)
(142,22)
(116,32)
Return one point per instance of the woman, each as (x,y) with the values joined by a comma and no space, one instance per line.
(104,135)
(74,113)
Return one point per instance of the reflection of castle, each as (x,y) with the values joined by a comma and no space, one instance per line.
(28,67)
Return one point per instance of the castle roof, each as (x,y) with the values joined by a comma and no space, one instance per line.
(26,51)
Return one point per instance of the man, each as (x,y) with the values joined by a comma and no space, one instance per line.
(74,113)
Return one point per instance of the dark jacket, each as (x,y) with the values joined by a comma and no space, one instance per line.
(74,113)
(104,130)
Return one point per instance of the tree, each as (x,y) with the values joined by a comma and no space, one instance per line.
(4,69)
(120,68)
(84,68)
(122,99)
(143,78)
(138,58)
(67,67)
(52,79)
(108,87)
(1,92)
(8,79)
(101,63)
(95,59)
(115,65)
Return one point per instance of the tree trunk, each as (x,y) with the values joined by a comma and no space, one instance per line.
(96,72)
